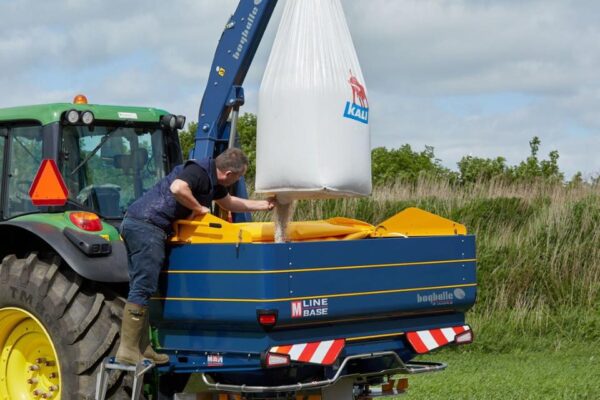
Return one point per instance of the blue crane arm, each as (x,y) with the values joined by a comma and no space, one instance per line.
(224,93)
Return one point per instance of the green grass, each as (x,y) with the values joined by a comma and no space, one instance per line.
(572,373)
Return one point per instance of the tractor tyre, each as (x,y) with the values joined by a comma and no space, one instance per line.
(55,329)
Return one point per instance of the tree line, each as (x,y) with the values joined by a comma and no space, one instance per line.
(407,165)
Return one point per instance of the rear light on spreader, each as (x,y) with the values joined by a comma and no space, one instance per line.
(272,360)
(267,318)
(464,338)
(86,220)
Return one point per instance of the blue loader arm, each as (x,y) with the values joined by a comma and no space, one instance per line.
(224,93)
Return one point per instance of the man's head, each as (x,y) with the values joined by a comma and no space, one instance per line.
(231,166)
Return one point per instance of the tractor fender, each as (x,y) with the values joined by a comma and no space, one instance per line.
(24,236)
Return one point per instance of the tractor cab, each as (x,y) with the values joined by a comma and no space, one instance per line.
(108,156)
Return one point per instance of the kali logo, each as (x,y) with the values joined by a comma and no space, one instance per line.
(357,111)
(310,308)
(358,90)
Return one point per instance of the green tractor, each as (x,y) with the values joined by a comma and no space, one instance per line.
(63,276)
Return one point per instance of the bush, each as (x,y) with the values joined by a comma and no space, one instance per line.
(474,169)
(406,165)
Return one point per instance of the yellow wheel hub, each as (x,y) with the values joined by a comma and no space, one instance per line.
(29,368)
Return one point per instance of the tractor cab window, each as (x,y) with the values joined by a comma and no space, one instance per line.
(106,168)
(23,162)
(3,135)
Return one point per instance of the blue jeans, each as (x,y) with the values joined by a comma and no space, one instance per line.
(145,245)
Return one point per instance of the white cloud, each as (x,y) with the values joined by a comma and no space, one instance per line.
(414,54)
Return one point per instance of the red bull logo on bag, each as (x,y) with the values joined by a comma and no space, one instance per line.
(357,111)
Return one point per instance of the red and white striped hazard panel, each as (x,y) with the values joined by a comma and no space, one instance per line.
(425,341)
(324,353)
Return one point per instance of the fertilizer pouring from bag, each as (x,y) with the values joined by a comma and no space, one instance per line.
(282,216)
(313,136)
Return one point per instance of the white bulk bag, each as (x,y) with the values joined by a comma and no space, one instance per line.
(313,115)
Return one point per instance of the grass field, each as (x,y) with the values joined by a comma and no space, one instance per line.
(572,373)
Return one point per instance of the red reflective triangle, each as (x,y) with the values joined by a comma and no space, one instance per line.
(48,187)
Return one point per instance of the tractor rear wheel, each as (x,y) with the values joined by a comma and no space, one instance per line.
(55,328)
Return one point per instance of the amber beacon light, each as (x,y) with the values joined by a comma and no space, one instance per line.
(80,99)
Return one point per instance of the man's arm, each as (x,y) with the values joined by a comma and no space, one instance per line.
(237,204)
(183,194)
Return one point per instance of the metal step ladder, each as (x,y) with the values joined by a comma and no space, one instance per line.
(138,370)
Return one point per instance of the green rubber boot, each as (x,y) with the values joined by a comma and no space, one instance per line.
(146,347)
(132,330)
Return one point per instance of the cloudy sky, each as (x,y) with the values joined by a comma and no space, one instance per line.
(479,77)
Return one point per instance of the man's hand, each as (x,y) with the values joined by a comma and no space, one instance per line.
(271,202)
(198,212)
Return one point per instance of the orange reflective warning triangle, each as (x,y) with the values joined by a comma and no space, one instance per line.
(48,187)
